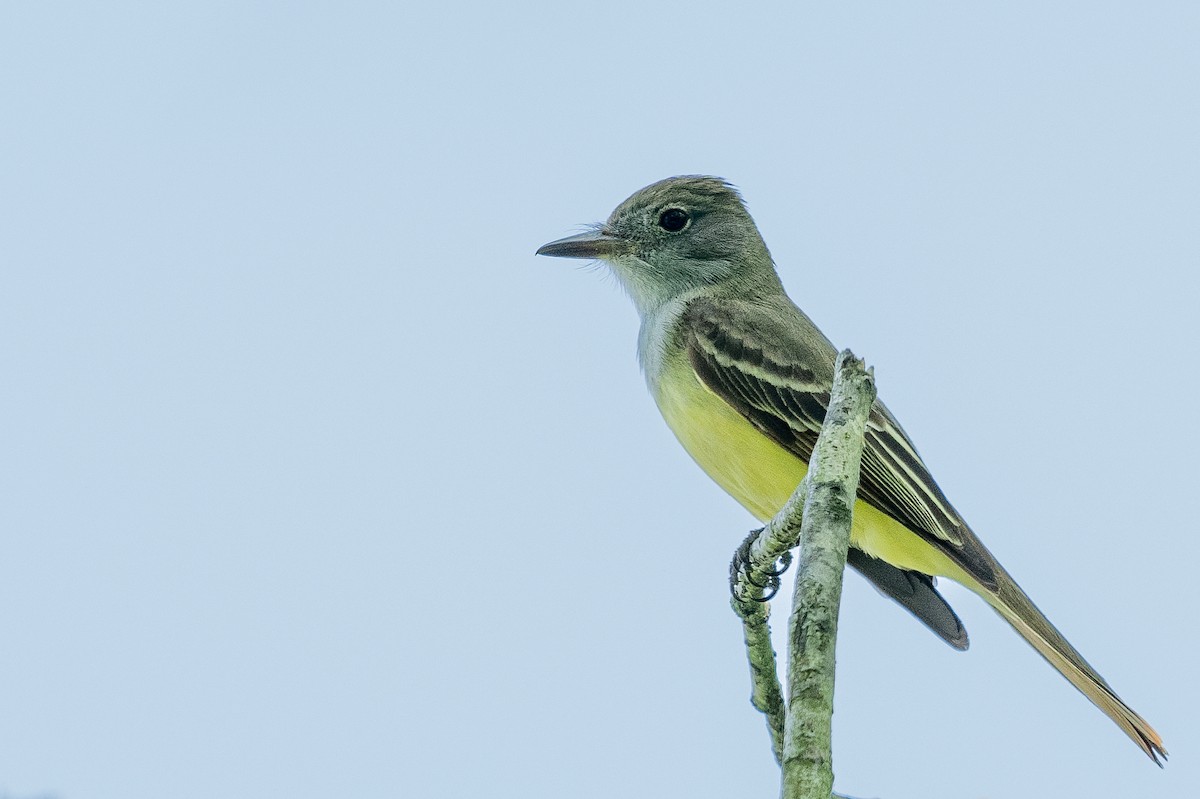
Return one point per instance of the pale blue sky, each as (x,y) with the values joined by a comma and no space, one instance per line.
(316,482)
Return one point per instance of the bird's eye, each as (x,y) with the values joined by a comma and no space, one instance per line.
(673,220)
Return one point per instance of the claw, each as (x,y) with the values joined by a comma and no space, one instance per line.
(768,595)
(785,560)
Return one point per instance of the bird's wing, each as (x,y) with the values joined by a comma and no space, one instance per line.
(916,592)
(772,365)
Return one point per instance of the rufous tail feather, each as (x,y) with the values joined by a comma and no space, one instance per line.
(1018,610)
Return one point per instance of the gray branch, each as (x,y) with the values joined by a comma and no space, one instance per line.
(766,694)
(818,517)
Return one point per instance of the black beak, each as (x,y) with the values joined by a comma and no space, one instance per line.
(586,245)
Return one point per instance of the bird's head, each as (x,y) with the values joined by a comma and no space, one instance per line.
(674,236)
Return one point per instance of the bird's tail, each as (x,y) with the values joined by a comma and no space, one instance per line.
(1018,610)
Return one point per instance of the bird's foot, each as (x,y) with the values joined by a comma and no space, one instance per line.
(742,568)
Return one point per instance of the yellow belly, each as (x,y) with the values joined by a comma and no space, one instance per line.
(761,475)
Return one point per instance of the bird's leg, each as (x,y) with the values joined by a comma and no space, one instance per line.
(742,568)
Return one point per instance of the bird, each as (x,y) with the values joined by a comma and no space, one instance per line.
(742,377)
